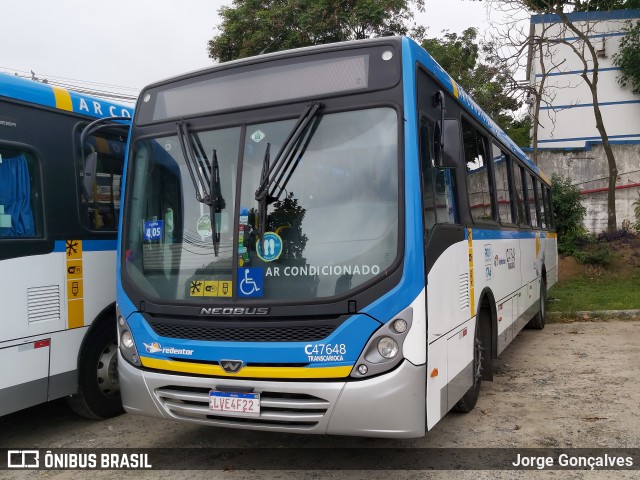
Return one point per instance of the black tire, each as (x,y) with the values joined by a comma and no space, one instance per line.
(537,322)
(470,398)
(98,394)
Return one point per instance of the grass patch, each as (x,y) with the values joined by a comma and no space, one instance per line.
(604,292)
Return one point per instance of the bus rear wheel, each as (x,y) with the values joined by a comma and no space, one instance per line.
(98,394)
(470,398)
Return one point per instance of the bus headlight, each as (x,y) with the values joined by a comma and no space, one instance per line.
(388,347)
(400,325)
(126,340)
(126,344)
(384,349)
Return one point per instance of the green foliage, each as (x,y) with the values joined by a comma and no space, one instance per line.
(600,255)
(520,132)
(608,290)
(465,59)
(628,58)
(569,214)
(250,27)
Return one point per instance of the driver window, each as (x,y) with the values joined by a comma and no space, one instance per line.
(100,163)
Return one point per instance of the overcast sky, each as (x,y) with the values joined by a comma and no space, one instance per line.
(131,43)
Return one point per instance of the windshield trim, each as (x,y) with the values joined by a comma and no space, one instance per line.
(368,291)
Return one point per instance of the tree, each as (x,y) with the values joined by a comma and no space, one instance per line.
(628,58)
(251,27)
(464,58)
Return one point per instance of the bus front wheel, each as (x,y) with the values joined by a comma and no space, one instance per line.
(98,395)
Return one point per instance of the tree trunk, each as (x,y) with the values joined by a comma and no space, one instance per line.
(612,223)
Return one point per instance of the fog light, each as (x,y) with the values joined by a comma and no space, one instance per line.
(387,347)
(126,340)
(400,325)
(362,369)
(121,321)
(134,358)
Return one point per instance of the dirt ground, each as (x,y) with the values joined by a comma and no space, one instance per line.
(569,386)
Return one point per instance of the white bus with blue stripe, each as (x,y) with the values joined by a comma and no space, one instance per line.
(331,240)
(59,208)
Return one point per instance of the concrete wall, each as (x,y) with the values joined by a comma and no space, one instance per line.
(589,171)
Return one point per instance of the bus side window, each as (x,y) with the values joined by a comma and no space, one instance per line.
(531,199)
(542,204)
(20,195)
(501,171)
(478,182)
(100,175)
(438,183)
(549,207)
(519,193)
(426,172)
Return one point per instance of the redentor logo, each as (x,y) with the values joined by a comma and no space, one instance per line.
(23,459)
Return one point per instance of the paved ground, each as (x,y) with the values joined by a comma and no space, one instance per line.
(570,386)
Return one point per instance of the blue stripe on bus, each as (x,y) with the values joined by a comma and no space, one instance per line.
(88,245)
(43,94)
(504,234)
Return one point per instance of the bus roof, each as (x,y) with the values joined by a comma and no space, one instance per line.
(416,51)
(52,96)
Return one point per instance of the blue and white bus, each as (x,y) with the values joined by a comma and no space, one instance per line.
(59,208)
(334,240)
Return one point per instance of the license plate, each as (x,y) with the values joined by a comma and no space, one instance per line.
(232,402)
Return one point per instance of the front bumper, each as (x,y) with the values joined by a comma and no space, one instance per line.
(390,405)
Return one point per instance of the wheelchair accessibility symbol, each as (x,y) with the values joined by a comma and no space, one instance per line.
(250,282)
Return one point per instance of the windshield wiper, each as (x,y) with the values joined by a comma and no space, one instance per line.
(207,189)
(274,178)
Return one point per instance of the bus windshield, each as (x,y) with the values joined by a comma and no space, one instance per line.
(332,227)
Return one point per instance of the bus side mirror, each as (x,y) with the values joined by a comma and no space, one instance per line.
(448,152)
(89,176)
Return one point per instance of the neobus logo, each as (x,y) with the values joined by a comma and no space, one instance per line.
(235,311)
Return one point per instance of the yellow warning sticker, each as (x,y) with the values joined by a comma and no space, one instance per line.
(75,309)
(75,284)
(210,288)
(74,269)
(196,288)
(74,289)
(224,289)
(74,249)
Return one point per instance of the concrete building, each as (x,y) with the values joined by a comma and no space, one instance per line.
(568,142)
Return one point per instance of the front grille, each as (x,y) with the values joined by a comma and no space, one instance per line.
(307,333)
(276,408)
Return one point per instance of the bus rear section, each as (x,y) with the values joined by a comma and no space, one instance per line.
(273,253)
(59,205)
